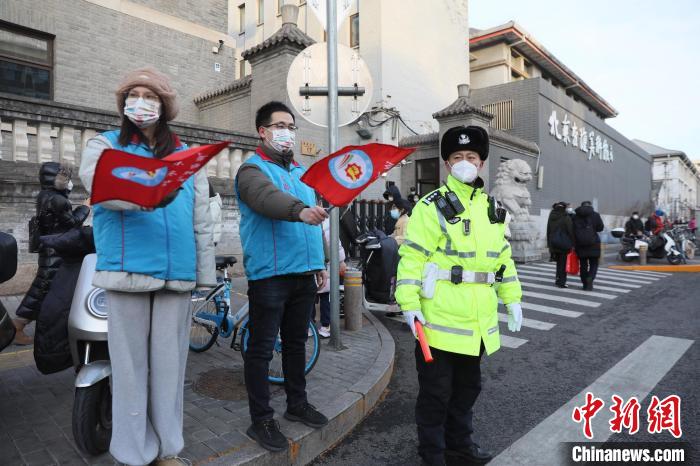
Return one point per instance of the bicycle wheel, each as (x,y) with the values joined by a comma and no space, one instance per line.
(275,373)
(204,329)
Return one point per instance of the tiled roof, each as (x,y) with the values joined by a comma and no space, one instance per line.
(234,86)
(289,33)
(461,107)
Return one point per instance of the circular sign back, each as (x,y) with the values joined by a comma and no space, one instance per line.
(309,73)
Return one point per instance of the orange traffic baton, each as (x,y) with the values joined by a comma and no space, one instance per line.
(427,355)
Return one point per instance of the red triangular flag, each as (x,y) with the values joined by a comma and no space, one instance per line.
(146,181)
(343,175)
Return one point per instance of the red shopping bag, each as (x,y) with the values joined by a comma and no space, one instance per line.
(572,266)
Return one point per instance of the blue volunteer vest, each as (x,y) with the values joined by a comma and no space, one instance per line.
(160,243)
(277,247)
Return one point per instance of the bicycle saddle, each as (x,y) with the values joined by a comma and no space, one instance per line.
(225,261)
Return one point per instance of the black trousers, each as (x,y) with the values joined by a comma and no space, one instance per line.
(561,268)
(589,268)
(277,304)
(448,388)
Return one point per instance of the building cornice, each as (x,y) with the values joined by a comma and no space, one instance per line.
(515,36)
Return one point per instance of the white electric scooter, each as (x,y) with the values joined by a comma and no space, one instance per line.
(87,334)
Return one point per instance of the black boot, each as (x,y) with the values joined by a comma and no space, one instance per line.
(267,434)
(472,454)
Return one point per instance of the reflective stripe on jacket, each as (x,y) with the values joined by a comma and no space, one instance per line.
(459,316)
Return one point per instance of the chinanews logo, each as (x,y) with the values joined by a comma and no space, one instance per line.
(352,170)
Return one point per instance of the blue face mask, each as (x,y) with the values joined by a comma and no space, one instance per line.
(394,214)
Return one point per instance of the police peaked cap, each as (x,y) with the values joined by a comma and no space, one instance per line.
(473,138)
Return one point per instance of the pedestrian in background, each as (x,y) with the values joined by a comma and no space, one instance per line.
(283,259)
(587,225)
(634,226)
(560,240)
(149,261)
(54,214)
(693,225)
(324,294)
(400,212)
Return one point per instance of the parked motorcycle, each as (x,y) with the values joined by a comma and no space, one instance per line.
(658,246)
(87,333)
(8,268)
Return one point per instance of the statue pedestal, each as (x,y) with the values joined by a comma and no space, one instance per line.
(523,241)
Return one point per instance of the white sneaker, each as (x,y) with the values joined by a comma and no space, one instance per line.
(325,332)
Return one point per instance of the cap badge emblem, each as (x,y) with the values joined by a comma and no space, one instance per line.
(463,139)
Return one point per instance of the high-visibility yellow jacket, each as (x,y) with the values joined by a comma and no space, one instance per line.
(458,316)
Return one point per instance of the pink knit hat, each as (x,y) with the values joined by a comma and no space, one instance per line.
(154,80)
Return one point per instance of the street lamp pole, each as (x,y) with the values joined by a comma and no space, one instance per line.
(332,25)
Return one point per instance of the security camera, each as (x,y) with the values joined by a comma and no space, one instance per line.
(217,48)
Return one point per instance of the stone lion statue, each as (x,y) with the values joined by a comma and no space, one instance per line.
(510,188)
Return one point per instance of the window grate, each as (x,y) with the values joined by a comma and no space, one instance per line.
(502,114)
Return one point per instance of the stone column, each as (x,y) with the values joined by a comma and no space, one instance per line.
(236,162)
(44,143)
(66,145)
(20,141)
(223,164)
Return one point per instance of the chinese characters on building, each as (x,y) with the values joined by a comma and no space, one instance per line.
(661,415)
(568,132)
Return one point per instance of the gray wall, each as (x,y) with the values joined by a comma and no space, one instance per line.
(95,46)
(619,187)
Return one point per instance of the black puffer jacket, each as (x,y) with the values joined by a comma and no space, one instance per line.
(587,224)
(51,349)
(559,227)
(55,215)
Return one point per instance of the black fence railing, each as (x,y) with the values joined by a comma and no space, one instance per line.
(362,217)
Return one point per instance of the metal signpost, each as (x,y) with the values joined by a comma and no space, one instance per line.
(305,84)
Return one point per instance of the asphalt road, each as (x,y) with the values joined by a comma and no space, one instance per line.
(523,385)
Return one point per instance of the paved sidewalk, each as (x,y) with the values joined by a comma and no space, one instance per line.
(35,409)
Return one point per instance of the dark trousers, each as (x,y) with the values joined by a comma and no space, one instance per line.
(325,305)
(448,388)
(561,268)
(589,268)
(277,304)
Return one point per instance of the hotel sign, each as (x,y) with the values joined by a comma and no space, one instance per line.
(586,141)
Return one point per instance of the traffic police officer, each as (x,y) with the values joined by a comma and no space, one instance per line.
(455,265)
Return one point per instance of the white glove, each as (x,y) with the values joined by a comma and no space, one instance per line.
(411,316)
(515,317)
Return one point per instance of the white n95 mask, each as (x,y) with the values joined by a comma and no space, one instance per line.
(464,171)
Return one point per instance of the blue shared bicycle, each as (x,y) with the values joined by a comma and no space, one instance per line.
(212,318)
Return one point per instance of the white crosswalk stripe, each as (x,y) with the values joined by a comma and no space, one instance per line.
(640,273)
(550,310)
(550,277)
(619,273)
(563,299)
(532,323)
(539,292)
(512,342)
(574,291)
(526,277)
(601,273)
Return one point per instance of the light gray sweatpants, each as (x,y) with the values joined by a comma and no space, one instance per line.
(148,343)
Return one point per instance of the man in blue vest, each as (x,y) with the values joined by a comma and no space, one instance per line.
(284,262)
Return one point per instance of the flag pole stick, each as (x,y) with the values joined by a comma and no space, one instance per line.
(332,24)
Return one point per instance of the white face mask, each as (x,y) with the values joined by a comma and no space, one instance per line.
(464,171)
(636,217)
(142,113)
(69,187)
(282,139)
(570,210)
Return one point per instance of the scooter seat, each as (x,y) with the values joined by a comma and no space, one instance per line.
(223,262)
